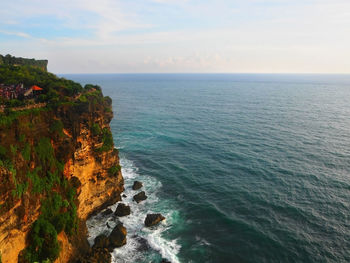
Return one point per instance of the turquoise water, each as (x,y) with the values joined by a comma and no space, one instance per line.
(247,168)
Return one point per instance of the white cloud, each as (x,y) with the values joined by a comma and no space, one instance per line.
(18,34)
(221,36)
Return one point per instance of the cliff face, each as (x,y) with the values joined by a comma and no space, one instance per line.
(80,139)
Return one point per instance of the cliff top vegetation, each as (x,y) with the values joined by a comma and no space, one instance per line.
(18,61)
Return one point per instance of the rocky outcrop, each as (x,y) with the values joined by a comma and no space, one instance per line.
(86,164)
(153,219)
(118,237)
(137,185)
(140,197)
(95,255)
(103,245)
(122,210)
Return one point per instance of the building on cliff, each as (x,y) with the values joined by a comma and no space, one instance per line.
(17,91)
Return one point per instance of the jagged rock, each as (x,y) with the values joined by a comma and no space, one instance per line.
(140,197)
(122,210)
(153,219)
(107,212)
(97,255)
(118,237)
(137,185)
(101,241)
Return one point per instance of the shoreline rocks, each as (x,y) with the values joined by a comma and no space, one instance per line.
(141,196)
(153,219)
(101,241)
(96,255)
(137,185)
(122,210)
(118,237)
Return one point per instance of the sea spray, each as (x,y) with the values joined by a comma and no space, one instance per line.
(143,244)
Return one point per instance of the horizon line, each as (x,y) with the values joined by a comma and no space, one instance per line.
(203,73)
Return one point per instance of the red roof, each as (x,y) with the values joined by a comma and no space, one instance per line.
(35,87)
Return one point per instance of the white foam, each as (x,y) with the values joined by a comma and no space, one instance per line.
(134,223)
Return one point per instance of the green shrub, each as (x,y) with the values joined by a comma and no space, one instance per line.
(38,185)
(43,242)
(26,152)
(107,140)
(22,138)
(108,100)
(96,129)
(13,149)
(57,127)
(60,166)
(7,118)
(45,152)
(20,189)
(51,179)
(114,169)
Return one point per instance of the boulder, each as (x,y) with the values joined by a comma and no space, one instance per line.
(140,197)
(122,210)
(101,241)
(164,260)
(118,237)
(137,185)
(97,255)
(124,196)
(153,219)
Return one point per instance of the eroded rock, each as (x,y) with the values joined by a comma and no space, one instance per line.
(122,210)
(118,237)
(101,241)
(137,185)
(140,197)
(153,219)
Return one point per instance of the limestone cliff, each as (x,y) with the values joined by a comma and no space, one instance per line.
(56,163)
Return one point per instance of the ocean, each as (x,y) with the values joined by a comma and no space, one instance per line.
(245,167)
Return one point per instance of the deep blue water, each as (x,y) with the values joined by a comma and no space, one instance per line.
(247,168)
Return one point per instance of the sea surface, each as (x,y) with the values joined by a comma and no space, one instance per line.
(245,167)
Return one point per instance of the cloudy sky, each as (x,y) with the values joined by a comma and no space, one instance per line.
(118,36)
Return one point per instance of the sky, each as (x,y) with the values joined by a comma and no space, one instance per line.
(179,36)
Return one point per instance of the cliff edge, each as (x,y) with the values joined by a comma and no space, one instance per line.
(58,165)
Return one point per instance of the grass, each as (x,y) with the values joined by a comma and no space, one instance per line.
(107,140)
(26,152)
(57,127)
(45,152)
(96,129)
(114,169)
